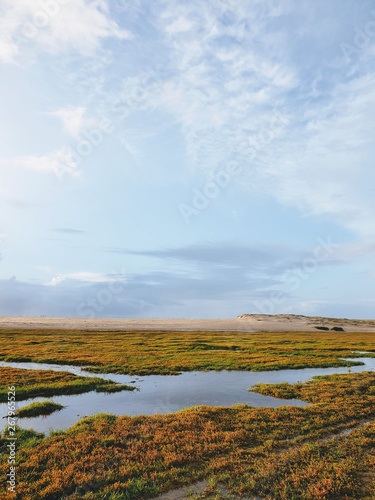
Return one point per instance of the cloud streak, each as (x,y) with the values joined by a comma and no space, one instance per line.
(270,259)
(60,163)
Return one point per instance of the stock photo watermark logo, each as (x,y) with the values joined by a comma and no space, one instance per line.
(362,38)
(41,19)
(201,198)
(94,305)
(135,97)
(11,439)
(295,277)
(89,140)
(138,94)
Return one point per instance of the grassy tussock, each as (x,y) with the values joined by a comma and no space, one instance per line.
(39,408)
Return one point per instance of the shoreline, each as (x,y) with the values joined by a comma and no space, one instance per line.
(243,323)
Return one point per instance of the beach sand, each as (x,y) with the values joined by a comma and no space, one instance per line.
(246,322)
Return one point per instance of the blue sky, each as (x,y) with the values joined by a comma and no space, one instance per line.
(187,159)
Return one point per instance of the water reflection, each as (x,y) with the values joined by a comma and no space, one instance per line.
(166,394)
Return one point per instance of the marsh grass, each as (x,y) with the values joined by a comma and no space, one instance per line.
(39,408)
(46,383)
(282,453)
(26,438)
(170,352)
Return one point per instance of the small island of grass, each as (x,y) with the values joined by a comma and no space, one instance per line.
(49,383)
(39,408)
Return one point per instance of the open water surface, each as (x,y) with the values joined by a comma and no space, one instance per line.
(167,393)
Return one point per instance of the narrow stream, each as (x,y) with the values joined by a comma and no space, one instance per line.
(167,393)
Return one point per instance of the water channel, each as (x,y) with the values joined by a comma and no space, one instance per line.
(167,393)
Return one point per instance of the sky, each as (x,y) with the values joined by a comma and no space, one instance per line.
(187,159)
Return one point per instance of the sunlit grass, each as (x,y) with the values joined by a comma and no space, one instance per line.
(282,453)
(168,352)
(34,383)
(39,408)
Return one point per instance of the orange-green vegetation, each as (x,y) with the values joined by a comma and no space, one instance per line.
(33,383)
(39,408)
(283,453)
(326,384)
(163,352)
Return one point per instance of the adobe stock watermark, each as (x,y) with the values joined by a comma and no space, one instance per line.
(293,278)
(94,305)
(89,140)
(137,94)
(11,439)
(362,38)
(201,198)
(41,19)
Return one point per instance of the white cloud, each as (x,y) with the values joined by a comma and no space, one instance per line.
(57,280)
(85,277)
(229,69)
(73,119)
(234,68)
(55,26)
(60,163)
(325,164)
(8,49)
(226,71)
(179,25)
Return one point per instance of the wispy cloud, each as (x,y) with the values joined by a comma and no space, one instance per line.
(83,277)
(324,166)
(72,118)
(234,67)
(60,163)
(226,56)
(54,27)
(268,261)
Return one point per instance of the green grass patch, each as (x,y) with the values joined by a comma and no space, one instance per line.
(48,383)
(39,408)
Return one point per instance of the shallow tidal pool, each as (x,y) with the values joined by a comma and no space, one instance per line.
(168,393)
